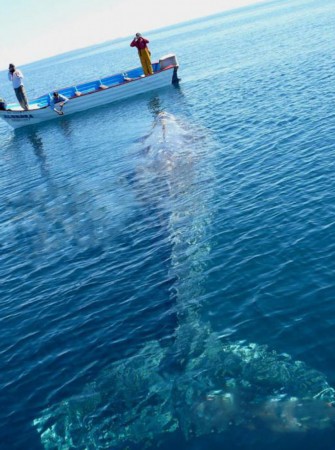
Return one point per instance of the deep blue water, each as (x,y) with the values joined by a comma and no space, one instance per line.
(216,196)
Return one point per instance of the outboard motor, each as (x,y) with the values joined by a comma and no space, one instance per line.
(170,60)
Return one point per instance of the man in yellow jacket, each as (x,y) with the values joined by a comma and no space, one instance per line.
(143,52)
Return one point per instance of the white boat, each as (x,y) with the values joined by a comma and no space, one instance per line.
(94,93)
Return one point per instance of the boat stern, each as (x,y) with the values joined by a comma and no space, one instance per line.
(168,61)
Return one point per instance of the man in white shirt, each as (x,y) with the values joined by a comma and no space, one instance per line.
(16,77)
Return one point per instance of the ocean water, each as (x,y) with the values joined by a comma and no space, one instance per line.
(151,250)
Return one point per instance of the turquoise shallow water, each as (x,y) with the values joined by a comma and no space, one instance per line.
(138,230)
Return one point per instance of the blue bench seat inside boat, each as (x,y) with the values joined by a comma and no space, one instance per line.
(86,88)
(68,92)
(113,80)
(40,102)
(135,73)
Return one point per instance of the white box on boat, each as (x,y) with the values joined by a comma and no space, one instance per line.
(168,60)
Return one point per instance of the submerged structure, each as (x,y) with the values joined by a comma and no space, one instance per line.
(202,384)
(94,93)
(218,386)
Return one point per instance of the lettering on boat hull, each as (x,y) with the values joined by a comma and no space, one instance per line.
(18,116)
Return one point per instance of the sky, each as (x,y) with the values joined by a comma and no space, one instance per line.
(35,29)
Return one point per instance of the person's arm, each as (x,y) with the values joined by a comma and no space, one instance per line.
(19,74)
(133,43)
(146,41)
(63,99)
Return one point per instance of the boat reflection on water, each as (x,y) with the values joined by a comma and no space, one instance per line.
(201,385)
(37,143)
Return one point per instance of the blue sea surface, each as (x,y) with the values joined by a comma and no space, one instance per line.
(135,235)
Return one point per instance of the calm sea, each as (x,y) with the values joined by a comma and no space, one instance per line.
(134,235)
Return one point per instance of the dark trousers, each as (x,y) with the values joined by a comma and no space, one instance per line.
(21,95)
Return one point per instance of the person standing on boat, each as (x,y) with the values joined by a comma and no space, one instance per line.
(59,100)
(143,52)
(16,77)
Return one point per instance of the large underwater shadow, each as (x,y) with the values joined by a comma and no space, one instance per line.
(200,391)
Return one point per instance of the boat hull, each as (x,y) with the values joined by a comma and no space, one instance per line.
(129,88)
